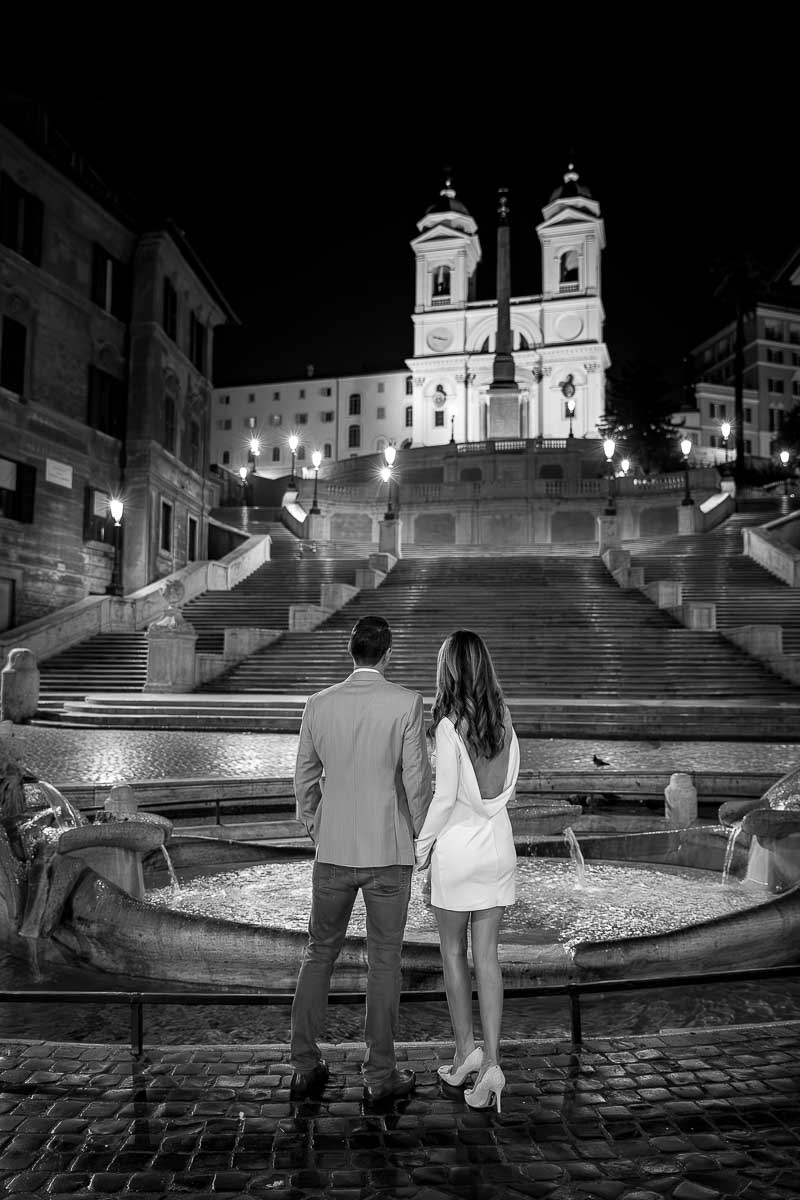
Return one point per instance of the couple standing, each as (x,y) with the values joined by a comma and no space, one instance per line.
(363,788)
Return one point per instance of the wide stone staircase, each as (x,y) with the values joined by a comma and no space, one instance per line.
(117,662)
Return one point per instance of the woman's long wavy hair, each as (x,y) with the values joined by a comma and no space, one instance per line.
(468,691)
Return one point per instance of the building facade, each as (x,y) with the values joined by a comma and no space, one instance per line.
(771,375)
(440,395)
(106,333)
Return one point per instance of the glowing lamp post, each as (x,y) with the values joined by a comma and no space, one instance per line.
(115,507)
(389,453)
(255,450)
(625,465)
(785,462)
(609,445)
(294,442)
(725,430)
(570,414)
(686,449)
(316,459)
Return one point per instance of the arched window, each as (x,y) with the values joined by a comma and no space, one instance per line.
(568,272)
(485,346)
(523,342)
(441,281)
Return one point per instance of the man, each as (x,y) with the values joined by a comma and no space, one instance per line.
(367,736)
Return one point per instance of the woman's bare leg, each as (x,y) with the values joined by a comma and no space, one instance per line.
(457,981)
(489,980)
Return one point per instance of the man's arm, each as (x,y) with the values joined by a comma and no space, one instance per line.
(307,776)
(416,766)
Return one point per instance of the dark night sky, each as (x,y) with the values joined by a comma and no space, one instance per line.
(298,170)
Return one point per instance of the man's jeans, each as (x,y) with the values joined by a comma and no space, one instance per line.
(386,893)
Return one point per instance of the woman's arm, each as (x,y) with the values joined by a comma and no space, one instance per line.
(444,797)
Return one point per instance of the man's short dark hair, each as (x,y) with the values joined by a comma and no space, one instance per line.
(370,639)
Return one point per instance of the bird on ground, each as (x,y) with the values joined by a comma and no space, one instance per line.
(600,762)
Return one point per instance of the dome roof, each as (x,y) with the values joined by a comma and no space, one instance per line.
(570,187)
(447,201)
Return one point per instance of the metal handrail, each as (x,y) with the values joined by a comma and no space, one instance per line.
(572,990)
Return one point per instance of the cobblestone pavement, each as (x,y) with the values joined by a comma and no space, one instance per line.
(108,756)
(696,1116)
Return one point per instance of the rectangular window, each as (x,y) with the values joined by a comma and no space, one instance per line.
(409,385)
(748,446)
(194,445)
(12,356)
(21,220)
(409,415)
(224,399)
(775,386)
(381,389)
(301,418)
(249,422)
(722,411)
(354,436)
(275,418)
(191,540)
(302,393)
(301,453)
(227,423)
(197,343)
(169,428)
(110,283)
(381,413)
(774,356)
(226,458)
(712,440)
(327,417)
(712,410)
(169,310)
(276,395)
(276,454)
(795,360)
(97,526)
(794,334)
(165,541)
(251,397)
(438,419)
(106,407)
(325,391)
(17,491)
(748,416)
(795,388)
(327,450)
(773,332)
(354,406)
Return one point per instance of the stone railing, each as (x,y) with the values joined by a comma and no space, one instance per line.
(124,614)
(775,547)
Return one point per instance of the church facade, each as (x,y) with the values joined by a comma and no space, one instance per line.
(441,393)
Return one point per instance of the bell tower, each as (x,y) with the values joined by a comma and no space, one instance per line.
(447,253)
(572,238)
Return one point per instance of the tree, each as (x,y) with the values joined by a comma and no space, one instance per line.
(741,280)
(640,404)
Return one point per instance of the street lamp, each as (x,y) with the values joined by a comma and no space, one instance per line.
(389,453)
(785,461)
(609,445)
(255,450)
(243,479)
(294,442)
(115,507)
(571,414)
(316,459)
(625,465)
(725,430)
(686,449)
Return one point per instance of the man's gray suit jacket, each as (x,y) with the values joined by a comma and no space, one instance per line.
(363,778)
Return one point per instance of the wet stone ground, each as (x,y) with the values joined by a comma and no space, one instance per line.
(108,756)
(694,1116)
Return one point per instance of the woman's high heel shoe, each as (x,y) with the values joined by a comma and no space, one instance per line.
(471,1064)
(487,1090)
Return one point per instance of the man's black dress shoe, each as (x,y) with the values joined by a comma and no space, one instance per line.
(309,1083)
(399,1084)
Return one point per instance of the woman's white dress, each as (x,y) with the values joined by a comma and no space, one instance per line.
(473,863)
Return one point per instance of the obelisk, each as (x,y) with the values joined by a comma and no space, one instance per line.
(503,390)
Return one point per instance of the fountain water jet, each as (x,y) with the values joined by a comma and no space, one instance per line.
(576,856)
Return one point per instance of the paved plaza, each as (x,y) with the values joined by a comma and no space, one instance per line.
(696,1116)
(63,755)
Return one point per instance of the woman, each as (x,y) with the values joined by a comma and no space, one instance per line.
(467,836)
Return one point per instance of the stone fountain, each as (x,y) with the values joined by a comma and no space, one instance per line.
(74,891)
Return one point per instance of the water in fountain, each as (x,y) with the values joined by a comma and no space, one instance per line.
(173,877)
(576,856)
(732,836)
